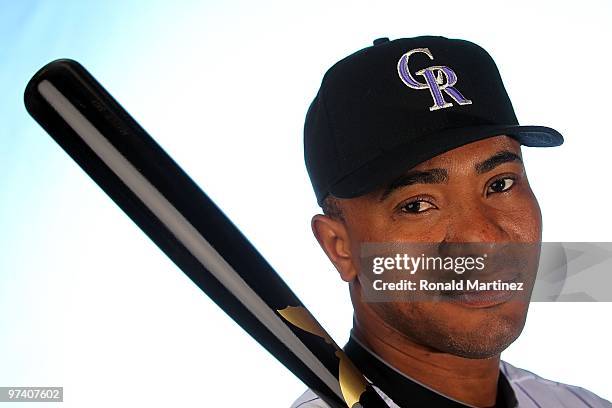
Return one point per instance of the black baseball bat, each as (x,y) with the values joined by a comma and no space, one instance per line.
(144,181)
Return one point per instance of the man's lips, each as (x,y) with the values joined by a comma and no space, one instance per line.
(481,298)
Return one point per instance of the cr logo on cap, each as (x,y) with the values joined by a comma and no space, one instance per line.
(438,78)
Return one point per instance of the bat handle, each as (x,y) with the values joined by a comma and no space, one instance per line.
(371,399)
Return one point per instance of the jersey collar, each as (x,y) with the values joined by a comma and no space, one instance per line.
(406,392)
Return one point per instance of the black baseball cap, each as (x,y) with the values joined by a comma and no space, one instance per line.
(393,105)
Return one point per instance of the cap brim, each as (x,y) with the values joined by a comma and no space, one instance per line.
(393,163)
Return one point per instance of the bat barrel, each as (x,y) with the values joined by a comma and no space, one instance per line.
(120,156)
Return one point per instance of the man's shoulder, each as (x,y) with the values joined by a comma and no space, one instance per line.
(531,389)
(309,400)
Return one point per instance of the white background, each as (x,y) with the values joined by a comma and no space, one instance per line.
(89,303)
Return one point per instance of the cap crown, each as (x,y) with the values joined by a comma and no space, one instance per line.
(396,93)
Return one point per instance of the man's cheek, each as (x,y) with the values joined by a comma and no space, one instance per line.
(531,222)
(523,219)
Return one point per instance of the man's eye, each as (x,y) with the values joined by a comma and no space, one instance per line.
(416,206)
(500,185)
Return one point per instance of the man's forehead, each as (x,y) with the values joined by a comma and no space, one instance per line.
(474,157)
(472,153)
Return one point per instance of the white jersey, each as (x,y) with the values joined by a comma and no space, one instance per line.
(530,391)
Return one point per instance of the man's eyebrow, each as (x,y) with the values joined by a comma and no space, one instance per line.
(498,158)
(435,176)
(431,176)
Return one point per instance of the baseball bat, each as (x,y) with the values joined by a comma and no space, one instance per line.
(144,181)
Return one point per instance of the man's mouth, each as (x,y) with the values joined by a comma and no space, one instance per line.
(482,298)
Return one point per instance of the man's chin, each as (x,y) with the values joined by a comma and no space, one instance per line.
(480,344)
(465,332)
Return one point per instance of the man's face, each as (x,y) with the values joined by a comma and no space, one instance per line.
(475,193)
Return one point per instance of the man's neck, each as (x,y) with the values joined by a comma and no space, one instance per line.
(471,381)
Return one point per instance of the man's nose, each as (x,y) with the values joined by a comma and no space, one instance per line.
(475,223)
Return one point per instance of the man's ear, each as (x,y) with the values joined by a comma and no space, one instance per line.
(334,239)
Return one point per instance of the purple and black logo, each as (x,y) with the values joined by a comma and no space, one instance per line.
(438,78)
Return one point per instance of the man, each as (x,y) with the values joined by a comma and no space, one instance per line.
(415,140)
